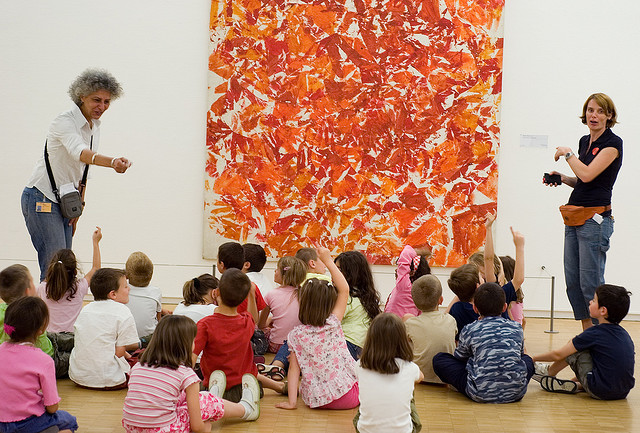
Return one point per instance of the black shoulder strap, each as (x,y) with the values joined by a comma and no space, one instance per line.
(86,168)
(50,173)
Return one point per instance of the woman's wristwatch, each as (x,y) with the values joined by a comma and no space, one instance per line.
(568,155)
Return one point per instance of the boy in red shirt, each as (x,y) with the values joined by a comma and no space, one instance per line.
(224,338)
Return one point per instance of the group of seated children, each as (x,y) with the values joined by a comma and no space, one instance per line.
(332,344)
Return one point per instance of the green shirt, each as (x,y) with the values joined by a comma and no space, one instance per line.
(42,342)
(355,322)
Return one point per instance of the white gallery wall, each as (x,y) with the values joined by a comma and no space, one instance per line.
(555,55)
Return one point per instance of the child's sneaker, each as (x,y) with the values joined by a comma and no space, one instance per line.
(217,383)
(250,397)
(539,370)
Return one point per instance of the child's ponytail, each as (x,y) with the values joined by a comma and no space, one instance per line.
(61,275)
(196,289)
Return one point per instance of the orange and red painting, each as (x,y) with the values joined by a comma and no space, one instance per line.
(354,124)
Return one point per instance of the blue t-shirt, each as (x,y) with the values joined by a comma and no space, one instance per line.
(464,314)
(612,351)
(496,372)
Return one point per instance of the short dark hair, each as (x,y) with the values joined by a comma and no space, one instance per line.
(307,254)
(194,290)
(256,256)
(104,281)
(616,299)
(426,292)
(234,287)
(139,269)
(14,281)
(386,340)
(171,343)
(231,254)
(464,282)
(489,299)
(316,299)
(27,316)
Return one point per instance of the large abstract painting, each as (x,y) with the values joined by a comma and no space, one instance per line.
(355,124)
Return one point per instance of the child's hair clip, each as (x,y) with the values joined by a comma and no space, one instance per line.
(8,329)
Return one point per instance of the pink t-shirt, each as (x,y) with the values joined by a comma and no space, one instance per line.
(153,394)
(328,370)
(283,304)
(63,313)
(400,301)
(26,370)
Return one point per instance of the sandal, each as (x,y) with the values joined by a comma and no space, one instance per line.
(271,371)
(553,384)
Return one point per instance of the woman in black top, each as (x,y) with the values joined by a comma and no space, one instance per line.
(595,169)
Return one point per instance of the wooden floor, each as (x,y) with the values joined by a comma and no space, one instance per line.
(441,410)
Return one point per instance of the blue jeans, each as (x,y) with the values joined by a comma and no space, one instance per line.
(62,419)
(585,255)
(49,231)
(283,356)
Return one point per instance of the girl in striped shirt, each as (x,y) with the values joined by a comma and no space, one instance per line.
(164,392)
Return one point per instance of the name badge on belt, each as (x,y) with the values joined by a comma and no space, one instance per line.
(43,207)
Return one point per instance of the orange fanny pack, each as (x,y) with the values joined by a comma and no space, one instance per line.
(577,215)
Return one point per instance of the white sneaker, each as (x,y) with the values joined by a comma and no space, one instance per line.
(250,397)
(217,383)
(539,370)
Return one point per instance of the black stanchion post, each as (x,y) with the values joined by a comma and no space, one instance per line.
(553,289)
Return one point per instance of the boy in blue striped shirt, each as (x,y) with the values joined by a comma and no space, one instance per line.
(489,364)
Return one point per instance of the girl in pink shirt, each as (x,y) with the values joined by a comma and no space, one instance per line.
(164,392)
(412,264)
(282,303)
(318,347)
(28,394)
(62,291)
(283,306)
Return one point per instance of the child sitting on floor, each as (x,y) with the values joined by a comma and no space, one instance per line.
(315,267)
(145,301)
(15,283)
(489,364)
(432,331)
(318,347)
(412,265)
(386,378)
(198,298)
(224,339)
(256,257)
(104,331)
(364,301)
(602,357)
(282,304)
(64,293)
(164,391)
(28,385)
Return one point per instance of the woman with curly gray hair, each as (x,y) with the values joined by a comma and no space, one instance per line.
(72,145)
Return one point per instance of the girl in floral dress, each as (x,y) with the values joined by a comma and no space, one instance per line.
(318,346)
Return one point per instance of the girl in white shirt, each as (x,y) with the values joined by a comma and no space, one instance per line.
(164,392)
(386,379)
(198,300)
